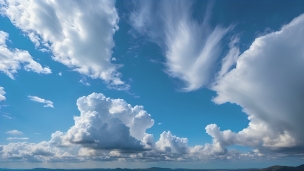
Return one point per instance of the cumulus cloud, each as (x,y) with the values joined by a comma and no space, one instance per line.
(106,123)
(108,130)
(78,33)
(112,130)
(47,103)
(171,143)
(268,84)
(192,48)
(12,60)
(2,93)
(14,132)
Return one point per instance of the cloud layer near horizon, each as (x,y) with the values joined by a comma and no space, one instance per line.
(109,130)
(112,130)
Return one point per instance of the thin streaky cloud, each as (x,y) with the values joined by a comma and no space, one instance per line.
(47,103)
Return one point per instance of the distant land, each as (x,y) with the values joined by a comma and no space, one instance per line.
(272,168)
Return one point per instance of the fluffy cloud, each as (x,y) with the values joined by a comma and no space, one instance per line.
(191,48)
(47,103)
(108,130)
(268,84)
(78,33)
(2,93)
(12,59)
(14,132)
(112,130)
(106,123)
(172,144)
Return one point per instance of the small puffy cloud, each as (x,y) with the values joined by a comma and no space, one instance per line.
(192,48)
(60,73)
(17,138)
(171,143)
(267,83)
(14,132)
(2,93)
(12,60)
(47,103)
(78,33)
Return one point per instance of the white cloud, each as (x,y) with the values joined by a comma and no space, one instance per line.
(47,103)
(191,48)
(112,130)
(268,84)
(60,73)
(17,138)
(78,33)
(2,93)
(11,60)
(171,143)
(40,152)
(84,81)
(14,132)
(230,59)
(106,123)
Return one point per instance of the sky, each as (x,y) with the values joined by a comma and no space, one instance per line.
(137,84)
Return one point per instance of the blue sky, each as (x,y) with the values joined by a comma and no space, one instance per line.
(197,84)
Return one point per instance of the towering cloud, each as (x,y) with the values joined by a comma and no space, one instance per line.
(268,84)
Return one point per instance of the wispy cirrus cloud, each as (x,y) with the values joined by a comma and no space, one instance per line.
(47,103)
(191,48)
